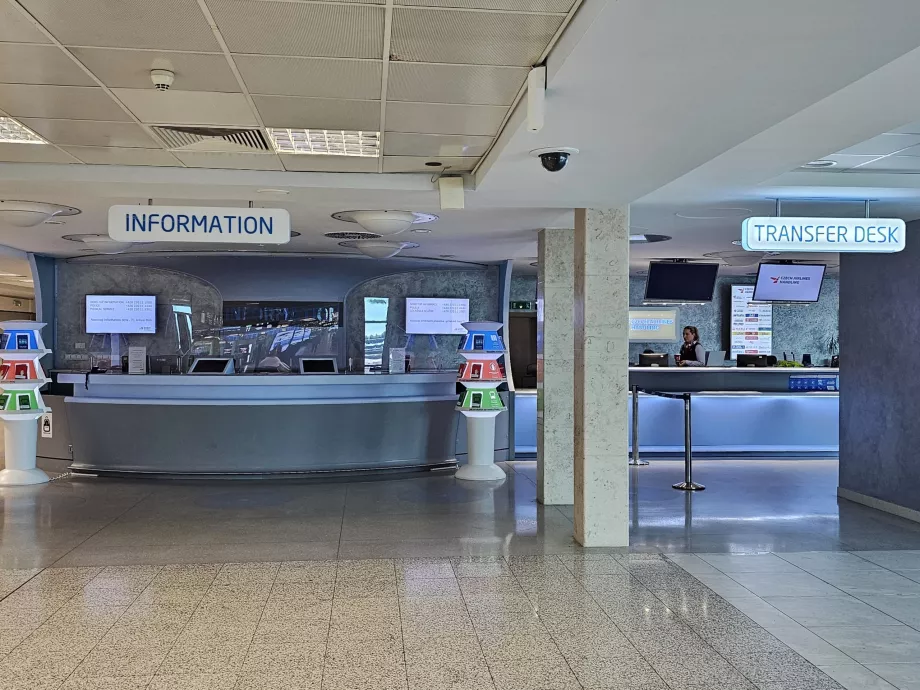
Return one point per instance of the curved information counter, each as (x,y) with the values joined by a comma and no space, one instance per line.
(262,424)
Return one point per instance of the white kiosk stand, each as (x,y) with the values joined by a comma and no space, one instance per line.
(481,403)
(21,405)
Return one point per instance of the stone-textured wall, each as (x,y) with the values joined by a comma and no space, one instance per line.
(480,286)
(73,346)
(796,328)
(879,405)
(523,288)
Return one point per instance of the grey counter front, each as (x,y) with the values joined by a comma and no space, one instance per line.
(263,424)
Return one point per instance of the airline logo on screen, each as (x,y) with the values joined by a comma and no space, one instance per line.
(199,224)
(870,235)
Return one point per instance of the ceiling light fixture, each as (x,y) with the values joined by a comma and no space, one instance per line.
(279,192)
(101,244)
(13,132)
(421,230)
(378,249)
(822,163)
(325,142)
(25,214)
(385,222)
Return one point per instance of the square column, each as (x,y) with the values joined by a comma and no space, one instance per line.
(601,376)
(555,366)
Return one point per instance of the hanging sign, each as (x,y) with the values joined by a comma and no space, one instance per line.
(870,235)
(199,224)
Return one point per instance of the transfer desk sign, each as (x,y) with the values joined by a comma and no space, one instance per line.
(837,235)
(221,225)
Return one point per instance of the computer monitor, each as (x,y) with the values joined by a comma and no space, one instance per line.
(318,365)
(715,358)
(653,359)
(752,360)
(212,366)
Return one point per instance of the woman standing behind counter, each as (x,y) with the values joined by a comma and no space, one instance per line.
(691,352)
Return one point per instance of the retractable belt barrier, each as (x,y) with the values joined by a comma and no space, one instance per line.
(688,484)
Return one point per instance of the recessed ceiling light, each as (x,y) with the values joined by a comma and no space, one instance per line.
(737,243)
(325,142)
(434,164)
(280,192)
(534,263)
(715,213)
(12,132)
(822,163)
(53,222)
(648,238)
(421,230)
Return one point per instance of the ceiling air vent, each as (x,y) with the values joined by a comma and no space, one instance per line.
(212,139)
(352,235)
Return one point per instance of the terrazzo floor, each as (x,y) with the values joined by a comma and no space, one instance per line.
(764,581)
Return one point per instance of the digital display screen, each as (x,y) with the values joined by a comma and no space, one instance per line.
(209,366)
(121,314)
(317,366)
(789,282)
(436,316)
(677,282)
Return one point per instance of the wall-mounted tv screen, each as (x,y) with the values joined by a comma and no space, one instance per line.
(121,314)
(436,315)
(789,282)
(680,282)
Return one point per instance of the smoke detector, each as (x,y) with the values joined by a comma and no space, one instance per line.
(379,249)
(25,214)
(162,79)
(385,222)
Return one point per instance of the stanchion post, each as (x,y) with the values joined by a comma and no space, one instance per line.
(687,484)
(634,458)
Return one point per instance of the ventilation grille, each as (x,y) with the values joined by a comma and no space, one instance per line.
(212,139)
(353,235)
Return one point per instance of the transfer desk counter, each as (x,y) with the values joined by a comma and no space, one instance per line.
(262,424)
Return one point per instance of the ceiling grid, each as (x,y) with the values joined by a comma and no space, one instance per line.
(446,71)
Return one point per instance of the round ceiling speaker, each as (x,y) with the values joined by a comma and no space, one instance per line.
(379,249)
(385,222)
(26,214)
(101,244)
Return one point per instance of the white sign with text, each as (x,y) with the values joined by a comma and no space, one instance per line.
(871,235)
(226,225)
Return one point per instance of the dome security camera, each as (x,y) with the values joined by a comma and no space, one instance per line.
(162,79)
(554,159)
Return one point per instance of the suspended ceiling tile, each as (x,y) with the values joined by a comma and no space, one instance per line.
(188,107)
(558,6)
(130,69)
(264,27)
(318,113)
(464,84)
(90,133)
(435,145)
(15,27)
(32,153)
(883,145)
(114,156)
(895,164)
(471,38)
(406,164)
(310,163)
(60,102)
(231,161)
(316,77)
(39,64)
(438,118)
(164,24)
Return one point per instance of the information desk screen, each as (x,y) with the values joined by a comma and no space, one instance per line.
(318,365)
(212,365)
(121,314)
(436,316)
(789,282)
(677,282)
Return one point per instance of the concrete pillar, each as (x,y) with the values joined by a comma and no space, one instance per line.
(601,376)
(555,366)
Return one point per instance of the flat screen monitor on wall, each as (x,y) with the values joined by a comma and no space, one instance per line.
(121,314)
(789,282)
(680,282)
(436,315)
